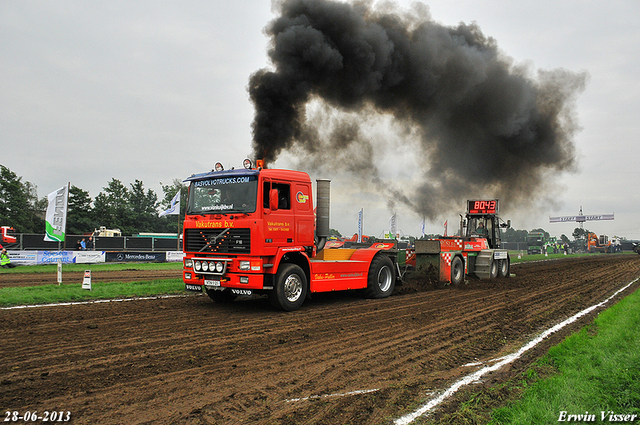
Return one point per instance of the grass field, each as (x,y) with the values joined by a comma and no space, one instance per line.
(53,268)
(46,294)
(593,376)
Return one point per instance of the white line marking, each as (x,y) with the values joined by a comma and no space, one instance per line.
(114,300)
(475,377)
(291,400)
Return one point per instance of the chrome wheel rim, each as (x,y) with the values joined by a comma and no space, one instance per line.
(292,288)
(457,271)
(384,279)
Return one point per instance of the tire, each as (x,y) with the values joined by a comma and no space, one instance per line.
(290,288)
(493,271)
(504,269)
(223,297)
(381,279)
(457,271)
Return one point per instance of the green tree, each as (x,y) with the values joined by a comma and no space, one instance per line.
(546,234)
(513,235)
(19,204)
(80,213)
(579,233)
(142,208)
(111,207)
(130,210)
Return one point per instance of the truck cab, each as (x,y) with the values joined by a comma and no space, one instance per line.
(255,231)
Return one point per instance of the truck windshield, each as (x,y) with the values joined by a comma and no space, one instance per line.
(223,195)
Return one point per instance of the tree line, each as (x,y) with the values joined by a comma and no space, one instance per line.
(132,209)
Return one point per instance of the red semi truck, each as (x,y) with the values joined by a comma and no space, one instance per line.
(254,231)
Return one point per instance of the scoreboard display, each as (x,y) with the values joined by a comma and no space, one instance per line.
(482,207)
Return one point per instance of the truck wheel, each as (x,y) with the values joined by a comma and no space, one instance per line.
(505,267)
(457,271)
(381,279)
(223,297)
(290,288)
(493,272)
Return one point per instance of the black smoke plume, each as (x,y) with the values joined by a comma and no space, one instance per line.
(479,124)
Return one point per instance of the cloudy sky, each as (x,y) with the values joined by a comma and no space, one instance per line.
(157,90)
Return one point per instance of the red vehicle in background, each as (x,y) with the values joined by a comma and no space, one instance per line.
(6,236)
(254,231)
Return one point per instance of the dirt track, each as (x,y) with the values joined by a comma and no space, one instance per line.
(191,361)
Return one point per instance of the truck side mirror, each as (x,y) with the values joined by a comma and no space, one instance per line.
(273,199)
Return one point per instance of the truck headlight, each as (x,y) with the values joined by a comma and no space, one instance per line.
(198,266)
(188,263)
(219,266)
(245,265)
(205,266)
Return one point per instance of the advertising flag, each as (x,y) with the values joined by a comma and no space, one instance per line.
(392,225)
(360,226)
(422,227)
(174,209)
(445,228)
(56,218)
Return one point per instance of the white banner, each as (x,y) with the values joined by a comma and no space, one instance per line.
(89,257)
(56,218)
(581,218)
(174,256)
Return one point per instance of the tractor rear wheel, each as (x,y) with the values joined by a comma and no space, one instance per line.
(493,271)
(381,279)
(505,267)
(457,271)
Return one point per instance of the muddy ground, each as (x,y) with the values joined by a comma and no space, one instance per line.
(340,359)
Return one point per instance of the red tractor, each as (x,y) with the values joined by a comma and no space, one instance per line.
(478,251)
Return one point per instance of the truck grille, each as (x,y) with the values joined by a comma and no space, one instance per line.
(233,241)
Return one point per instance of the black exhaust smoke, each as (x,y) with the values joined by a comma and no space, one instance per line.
(481,125)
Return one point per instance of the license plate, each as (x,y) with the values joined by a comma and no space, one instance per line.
(212,283)
(195,288)
(242,292)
